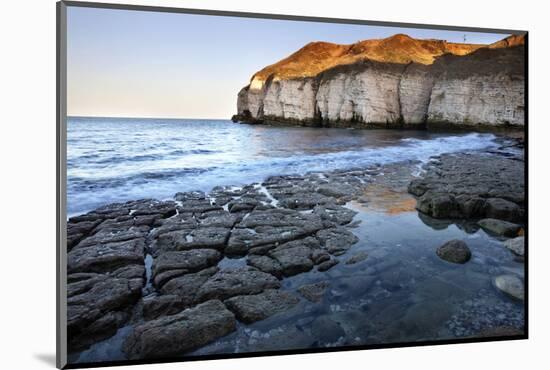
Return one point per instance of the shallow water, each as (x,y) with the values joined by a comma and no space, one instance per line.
(119,159)
(402,292)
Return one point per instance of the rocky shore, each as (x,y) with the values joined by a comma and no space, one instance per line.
(188,271)
(159,261)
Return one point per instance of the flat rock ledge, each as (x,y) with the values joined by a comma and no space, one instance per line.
(161,266)
(174,335)
(251,308)
(472,186)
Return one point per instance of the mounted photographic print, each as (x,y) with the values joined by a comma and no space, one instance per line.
(236,184)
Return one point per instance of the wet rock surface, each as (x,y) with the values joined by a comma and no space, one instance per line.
(473,185)
(510,285)
(285,226)
(175,334)
(499,227)
(232,282)
(251,308)
(455,251)
(516,245)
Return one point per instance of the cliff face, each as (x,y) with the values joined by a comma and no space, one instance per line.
(394,82)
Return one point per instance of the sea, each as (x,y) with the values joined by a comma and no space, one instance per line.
(120,159)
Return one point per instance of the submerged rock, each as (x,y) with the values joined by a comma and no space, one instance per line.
(251,308)
(455,251)
(499,227)
(511,285)
(176,334)
(327,265)
(314,292)
(326,330)
(357,257)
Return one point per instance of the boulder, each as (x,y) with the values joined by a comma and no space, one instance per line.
(177,334)
(455,251)
(314,292)
(516,245)
(251,308)
(499,227)
(510,285)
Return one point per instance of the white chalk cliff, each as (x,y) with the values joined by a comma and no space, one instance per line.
(394,82)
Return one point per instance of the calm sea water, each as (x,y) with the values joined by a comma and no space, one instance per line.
(118,159)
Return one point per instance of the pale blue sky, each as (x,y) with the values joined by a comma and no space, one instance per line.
(151,64)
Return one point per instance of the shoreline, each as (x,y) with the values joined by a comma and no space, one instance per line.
(271,233)
(274,160)
(513,131)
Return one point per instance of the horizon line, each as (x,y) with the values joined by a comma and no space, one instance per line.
(146,117)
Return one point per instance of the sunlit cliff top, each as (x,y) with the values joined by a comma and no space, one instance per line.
(317,57)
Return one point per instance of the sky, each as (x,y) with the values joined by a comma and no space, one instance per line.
(127,63)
